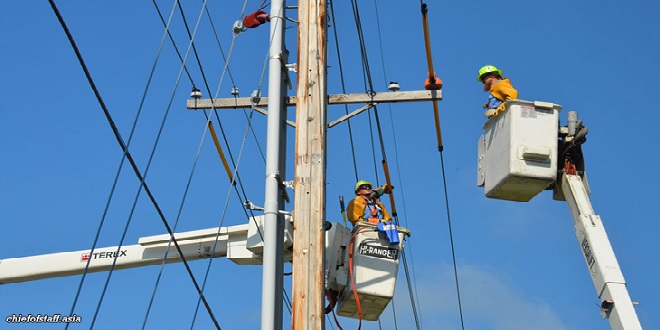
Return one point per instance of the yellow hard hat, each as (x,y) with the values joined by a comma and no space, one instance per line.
(488,69)
(360,183)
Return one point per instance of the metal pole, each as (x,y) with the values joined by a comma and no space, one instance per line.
(272,283)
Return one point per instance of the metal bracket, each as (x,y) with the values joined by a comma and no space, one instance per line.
(606,308)
(293,67)
(255,98)
(251,206)
(281,185)
(285,68)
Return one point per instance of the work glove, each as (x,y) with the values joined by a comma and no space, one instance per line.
(388,188)
(490,112)
(494,112)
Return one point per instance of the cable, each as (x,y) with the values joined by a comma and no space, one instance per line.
(432,80)
(231,77)
(218,119)
(178,216)
(225,69)
(222,218)
(415,296)
(343,90)
(410,292)
(191,37)
(167,30)
(116,179)
(396,326)
(380,135)
(126,152)
(451,241)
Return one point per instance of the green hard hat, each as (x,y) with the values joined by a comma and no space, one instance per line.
(488,69)
(361,182)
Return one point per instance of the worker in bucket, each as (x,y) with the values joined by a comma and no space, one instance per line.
(366,206)
(500,89)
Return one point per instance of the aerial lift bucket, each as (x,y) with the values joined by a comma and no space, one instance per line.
(375,264)
(518,151)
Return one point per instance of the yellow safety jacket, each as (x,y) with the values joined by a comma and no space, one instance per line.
(357,208)
(503,90)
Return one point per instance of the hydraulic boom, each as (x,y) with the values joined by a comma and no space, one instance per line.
(603,267)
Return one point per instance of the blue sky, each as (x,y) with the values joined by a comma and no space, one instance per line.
(519,264)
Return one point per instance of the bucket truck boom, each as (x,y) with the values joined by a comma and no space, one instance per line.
(521,154)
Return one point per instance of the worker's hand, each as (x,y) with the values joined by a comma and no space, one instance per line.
(387,188)
(490,112)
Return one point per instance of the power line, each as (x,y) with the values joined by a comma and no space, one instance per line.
(114,185)
(226,69)
(343,89)
(415,296)
(434,83)
(451,241)
(367,72)
(167,30)
(127,153)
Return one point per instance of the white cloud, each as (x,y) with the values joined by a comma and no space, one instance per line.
(488,298)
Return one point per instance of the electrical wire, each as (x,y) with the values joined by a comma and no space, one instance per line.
(436,115)
(127,153)
(451,241)
(226,69)
(222,218)
(217,117)
(138,195)
(208,90)
(231,77)
(167,250)
(167,30)
(343,89)
(116,179)
(367,73)
(191,38)
(393,130)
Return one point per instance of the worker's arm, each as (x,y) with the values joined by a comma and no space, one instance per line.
(503,90)
(386,215)
(355,210)
(384,189)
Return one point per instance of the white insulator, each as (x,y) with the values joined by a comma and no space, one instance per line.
(234,91)
(196,93)
(394,86)
(572,122)
(238,27)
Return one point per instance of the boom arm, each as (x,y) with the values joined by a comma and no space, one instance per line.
(603,267)
(242,244)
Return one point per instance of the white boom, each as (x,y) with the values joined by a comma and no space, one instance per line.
(604,269)
(242,244)
(368,271)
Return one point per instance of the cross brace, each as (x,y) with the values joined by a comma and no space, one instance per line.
(244,102)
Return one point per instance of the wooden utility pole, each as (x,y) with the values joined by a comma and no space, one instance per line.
(309,185)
